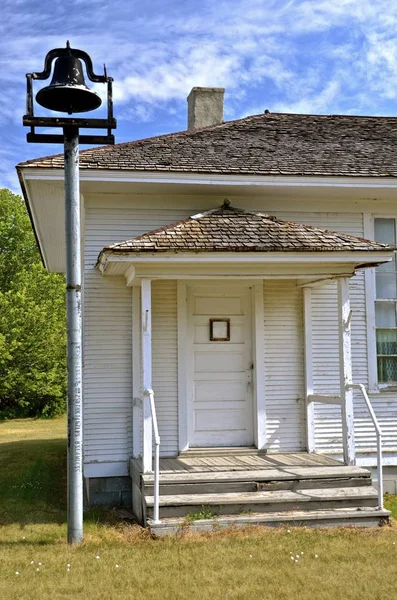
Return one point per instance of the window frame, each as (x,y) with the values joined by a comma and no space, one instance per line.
(370,299)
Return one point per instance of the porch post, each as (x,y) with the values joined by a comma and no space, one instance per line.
(310,432)
(136,372)
(146,304)
(259,371)
(345,371)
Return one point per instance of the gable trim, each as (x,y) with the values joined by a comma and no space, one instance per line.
(40,173)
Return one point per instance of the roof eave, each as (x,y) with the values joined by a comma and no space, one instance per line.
(34,172)
(360,258)
(25,196)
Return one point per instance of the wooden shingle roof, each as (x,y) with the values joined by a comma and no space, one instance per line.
(265,144)
(229,229)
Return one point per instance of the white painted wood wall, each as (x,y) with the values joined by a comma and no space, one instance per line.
(107,338)
(284,368)
(107,326)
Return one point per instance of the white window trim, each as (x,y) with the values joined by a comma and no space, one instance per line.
(370,297)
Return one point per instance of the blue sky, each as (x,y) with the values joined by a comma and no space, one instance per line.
(305,56)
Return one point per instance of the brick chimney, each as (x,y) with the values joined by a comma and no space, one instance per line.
(205,107)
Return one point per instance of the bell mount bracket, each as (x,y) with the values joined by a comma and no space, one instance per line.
(32,121)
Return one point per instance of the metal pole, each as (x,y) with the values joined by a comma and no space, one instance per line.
(74,338)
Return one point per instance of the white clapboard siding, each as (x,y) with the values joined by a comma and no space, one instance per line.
(165,363)
(107,339)
(107,336)
(107,368)
(284,369)
(328,430)
(328,427)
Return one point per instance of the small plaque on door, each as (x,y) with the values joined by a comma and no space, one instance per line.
(220,330)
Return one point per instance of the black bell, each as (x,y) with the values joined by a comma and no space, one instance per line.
(67,91)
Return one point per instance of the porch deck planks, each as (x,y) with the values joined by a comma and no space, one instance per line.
(213,464)
(317,459)
(172,465)
(248,461)
(253,462)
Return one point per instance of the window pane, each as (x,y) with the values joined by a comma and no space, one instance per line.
(386,285)
(386,341)
(387,369)
(385,231)
(385,314)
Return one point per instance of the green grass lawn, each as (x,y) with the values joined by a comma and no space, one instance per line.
(121,561)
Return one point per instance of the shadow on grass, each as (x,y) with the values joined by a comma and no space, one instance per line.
(33,485)
(33,481)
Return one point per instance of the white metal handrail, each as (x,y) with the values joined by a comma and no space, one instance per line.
(150,394)
(360,386)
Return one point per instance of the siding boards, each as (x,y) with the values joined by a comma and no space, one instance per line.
(107,322)
(284,369)
(107,368)
(328,428)
(107,341)
(165,363)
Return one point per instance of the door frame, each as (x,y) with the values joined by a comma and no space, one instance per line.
(258,356)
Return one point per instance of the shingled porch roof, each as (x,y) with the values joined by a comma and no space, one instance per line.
(229,229)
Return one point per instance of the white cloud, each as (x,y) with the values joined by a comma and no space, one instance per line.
(286,55)
(316,103)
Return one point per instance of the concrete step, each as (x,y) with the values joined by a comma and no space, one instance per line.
(231,503)
(338,517)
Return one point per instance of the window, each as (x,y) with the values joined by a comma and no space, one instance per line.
(386,306)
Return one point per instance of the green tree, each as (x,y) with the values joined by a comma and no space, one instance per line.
(32,321)
(18,249)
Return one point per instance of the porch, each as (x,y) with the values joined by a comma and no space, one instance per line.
(212,488)
(221,303)
(235,276)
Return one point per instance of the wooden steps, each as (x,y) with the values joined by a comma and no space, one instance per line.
(229,503)
(292,473)
(346,517)
(325,495)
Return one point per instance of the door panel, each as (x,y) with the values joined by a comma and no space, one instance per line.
(215,391)
(219,306)
(208,361)
(221,404)
(209,420)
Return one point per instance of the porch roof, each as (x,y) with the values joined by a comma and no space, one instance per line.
(230,242)
(229,229)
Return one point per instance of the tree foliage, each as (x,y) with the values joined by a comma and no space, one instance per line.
(32,321)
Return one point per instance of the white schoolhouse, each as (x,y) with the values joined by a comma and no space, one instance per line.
(238,316)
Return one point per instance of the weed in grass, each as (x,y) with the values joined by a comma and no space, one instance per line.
(245,512)
(204,513)
(391,504)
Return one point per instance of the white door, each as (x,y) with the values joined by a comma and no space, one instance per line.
(220,378)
